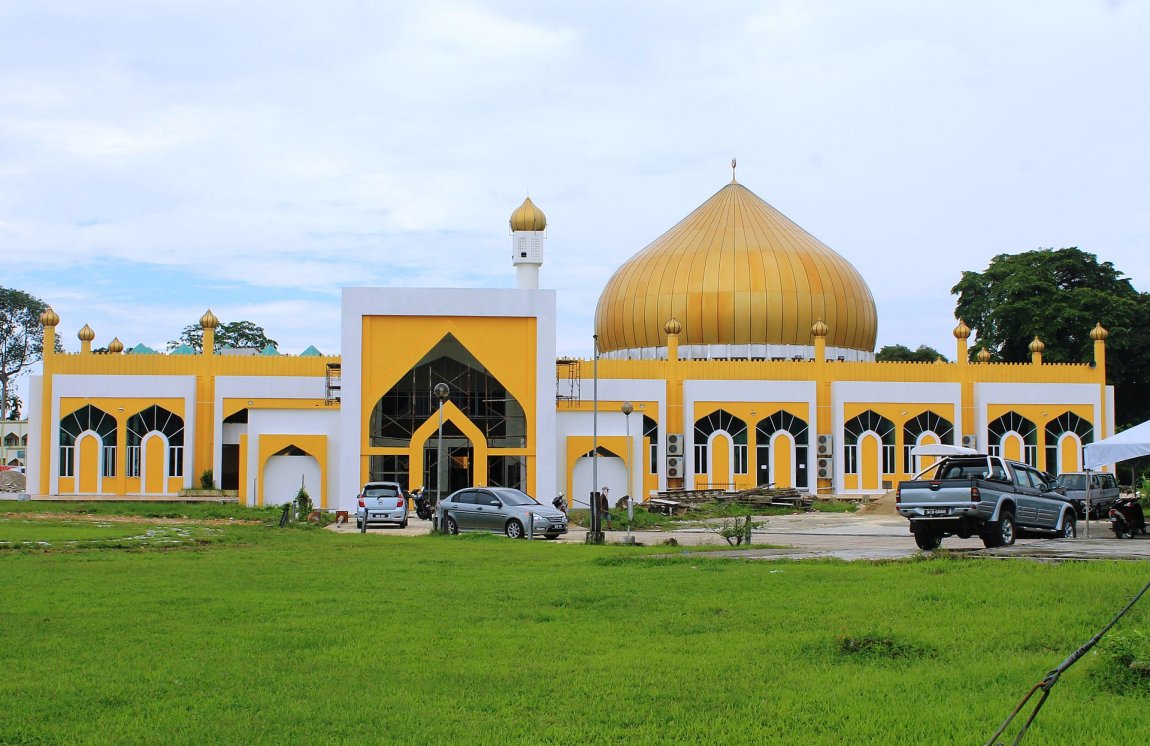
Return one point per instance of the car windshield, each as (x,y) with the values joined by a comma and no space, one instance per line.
(514,497)
(1071,481)
(381,490)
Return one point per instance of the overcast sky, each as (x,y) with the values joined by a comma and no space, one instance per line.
(159,158)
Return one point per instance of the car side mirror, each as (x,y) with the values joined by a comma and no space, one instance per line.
(495,504)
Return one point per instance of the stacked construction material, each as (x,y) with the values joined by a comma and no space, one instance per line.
(12,481)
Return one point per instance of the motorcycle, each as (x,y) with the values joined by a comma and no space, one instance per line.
(560,503)
(1126,518)
(423,507)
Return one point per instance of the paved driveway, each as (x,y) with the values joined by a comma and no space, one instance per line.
(849,536)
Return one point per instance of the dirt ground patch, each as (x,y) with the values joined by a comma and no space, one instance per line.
(129,519)
(884,505)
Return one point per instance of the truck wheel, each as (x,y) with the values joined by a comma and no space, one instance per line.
(1000,534)
(928,542)
(1069,527)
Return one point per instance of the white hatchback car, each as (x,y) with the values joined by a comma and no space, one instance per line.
(381,502)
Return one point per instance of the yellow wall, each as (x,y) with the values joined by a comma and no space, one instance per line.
(506,347)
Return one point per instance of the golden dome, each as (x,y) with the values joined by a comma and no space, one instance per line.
(673,326)
(1099,333)
(49,317)
(1036,345)
(737,272)
(962,331)
(984,355)
(86,334)
(819,329)
(528,217)
(115,347)
(209,320)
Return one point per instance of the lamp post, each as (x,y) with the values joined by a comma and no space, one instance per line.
(626,408)
(440,392)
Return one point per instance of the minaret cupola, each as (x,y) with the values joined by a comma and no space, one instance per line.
(528,230)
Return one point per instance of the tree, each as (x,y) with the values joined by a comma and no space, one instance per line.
(902,353)
(237,334)
(14,406)
(1059,295)
(21,338)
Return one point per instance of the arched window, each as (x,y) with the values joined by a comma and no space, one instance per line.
(868,421)
(795,427)
(87,418)
(914,429)
(1013,422)
(479,395)
(721,421)
(651,430)
(156,419)
(1063,424)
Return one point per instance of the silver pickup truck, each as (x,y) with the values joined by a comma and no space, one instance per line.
(983,496)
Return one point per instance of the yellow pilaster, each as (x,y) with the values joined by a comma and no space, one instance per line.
(49,319)
(965,377)
(823,418)
(1099,335)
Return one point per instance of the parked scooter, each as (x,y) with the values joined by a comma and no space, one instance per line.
(1126,518)
(423,507)
(560,503)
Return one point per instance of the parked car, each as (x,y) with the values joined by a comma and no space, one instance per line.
(381,502)
(501,510)
(1103,492)
(984,496)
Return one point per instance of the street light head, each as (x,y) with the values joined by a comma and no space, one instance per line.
(441,391)
(627,408)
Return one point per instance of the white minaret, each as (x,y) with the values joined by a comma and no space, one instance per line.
(528,229)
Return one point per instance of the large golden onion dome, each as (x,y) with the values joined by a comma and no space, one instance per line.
(744,281)
(528,217)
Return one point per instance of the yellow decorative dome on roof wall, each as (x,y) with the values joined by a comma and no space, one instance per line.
(528,217)
(744,281)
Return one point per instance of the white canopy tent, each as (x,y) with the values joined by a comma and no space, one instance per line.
(1125,445)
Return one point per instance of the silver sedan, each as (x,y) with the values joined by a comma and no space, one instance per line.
(500,510)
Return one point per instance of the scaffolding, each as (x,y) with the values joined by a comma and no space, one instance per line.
(568,382)
(333,383)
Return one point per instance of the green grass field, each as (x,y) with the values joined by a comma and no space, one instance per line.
(305,636)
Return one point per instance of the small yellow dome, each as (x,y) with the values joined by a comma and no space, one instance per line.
(819,328)
(115,347)
(49,317)
(962,331)
(209,320)
(673,326)
(528,217)
(1098,333)
(86,334)
(984,355)
(1036,345)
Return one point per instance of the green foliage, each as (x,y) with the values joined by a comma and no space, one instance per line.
(237,334)
(1125,666)
(303,505)
(1059,295)
(21,338)
(902,353)
(737,530)
(1144,488)
(192,511)
(880,648)
(207,480)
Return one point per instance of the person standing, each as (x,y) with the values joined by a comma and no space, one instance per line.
(605,508)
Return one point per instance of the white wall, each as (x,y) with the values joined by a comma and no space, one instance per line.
(323,421)
(284,475)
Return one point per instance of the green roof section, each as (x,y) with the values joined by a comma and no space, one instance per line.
(311,351)
(270,350)
(183,350)
(141,349)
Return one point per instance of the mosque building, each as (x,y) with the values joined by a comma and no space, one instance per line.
(735,350)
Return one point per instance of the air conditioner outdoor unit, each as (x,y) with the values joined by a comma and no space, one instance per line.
(970,441)
(674,445)
(824,445)
(674,467)
(825,468)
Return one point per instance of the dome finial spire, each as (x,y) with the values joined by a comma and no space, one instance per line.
(733,181)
